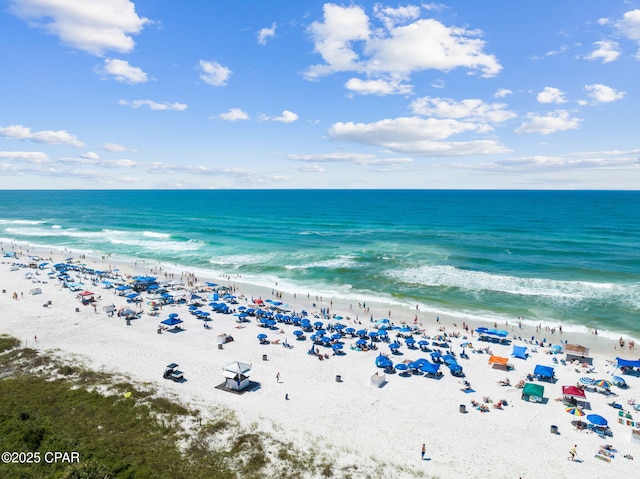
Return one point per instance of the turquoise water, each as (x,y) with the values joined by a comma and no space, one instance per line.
(570,258)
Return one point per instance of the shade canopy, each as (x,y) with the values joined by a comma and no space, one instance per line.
(498,360)
(519,352)
(531,389)
(573,392)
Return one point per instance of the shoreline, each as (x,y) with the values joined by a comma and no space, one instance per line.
(604,342)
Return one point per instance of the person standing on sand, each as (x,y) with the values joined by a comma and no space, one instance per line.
(278,377)
(424,450)
(573,452)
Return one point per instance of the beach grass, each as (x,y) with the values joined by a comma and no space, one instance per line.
(52,405)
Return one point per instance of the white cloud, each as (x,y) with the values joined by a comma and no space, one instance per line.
(378,87)
(414,135)
(346,42)
(502,93)
(551,95)
(606,51)
(602,93)
(629,25)
(286,117)
(309,168)
(115,147)
(90,155)
(154,105)
(333,39)
(265,33)
(93,26)
(559,120)
(123,72)
(234,114)
(59,137)
(391,16)
(358,158)
(212,73)
(470,109)
(574,161)
(36,157)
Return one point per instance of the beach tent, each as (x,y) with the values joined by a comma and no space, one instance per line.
(627,363)
(574,392)
(544,373)
(499,362)
(533,392)
(236,375)
(519,352)
(575,352)
(172,321)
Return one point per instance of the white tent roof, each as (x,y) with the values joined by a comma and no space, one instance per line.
(236,367)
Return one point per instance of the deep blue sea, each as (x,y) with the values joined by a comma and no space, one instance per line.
(568,258)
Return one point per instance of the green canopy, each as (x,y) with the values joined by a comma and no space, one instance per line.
(530,389)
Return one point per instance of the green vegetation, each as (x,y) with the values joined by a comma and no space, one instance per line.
(49,405)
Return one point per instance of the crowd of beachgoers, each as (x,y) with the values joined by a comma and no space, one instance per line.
(366,382)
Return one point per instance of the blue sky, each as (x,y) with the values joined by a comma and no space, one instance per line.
(287,94)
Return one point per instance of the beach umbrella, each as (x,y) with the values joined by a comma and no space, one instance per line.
(402,367)
(298,333)
(337,346)
(597,420)
(603,383)
(618,381)
(423,342)
(587,381)
(406,330)
(394,345)
(575,411)
(262,336)
(383,361)
(361,342)
(350,330)
(361,332)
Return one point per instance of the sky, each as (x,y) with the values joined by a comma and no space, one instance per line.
(190,94)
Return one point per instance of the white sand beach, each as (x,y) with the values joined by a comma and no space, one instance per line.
(352,420)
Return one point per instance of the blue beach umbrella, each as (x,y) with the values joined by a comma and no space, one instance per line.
(383,362)
(262,336)
(337,346)
(298,333)
(597,420)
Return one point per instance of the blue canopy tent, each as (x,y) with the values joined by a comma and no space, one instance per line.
(544,373)
(429,369)
(519,352)
(627,363)
(173,321)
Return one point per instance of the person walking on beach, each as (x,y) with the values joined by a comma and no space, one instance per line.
(278,377)
(424,450)
(573,452)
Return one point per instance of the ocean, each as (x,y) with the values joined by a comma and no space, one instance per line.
(569,258)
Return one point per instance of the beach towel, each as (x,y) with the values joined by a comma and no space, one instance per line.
(603,458)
